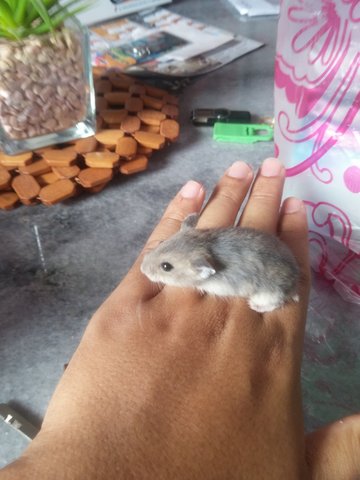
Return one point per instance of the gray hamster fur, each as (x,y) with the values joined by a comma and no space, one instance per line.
(230,261)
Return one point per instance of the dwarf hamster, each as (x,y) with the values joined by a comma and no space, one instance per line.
(230,261)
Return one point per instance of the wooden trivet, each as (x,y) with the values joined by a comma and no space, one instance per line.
(134,120)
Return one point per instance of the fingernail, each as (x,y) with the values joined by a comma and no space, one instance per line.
(271,167)
(292,205)
(191,189)
(238,170)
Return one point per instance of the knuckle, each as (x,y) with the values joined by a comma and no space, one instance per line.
(228,195)
(169,225)
(265,190)
(110,318)
(263,196)
(174,217)
(151,245)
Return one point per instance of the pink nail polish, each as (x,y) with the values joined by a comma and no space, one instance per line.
(271,167)
(293,205)
(190,190)
(238,170)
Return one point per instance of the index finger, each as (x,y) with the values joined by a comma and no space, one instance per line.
(188,200)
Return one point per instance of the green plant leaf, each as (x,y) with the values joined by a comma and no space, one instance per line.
(12,4)
(20,18)
(57,20)
(43,13)
(20,11)
(7,34)
(33,14)
(65,7)
(6,16)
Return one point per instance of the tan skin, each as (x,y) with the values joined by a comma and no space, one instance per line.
(169,384)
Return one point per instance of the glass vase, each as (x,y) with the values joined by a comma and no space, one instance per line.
(46,89)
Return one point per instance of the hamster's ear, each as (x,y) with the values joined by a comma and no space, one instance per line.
(190,221)
(203,268)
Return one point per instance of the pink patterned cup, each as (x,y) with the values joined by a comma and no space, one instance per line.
(317,129)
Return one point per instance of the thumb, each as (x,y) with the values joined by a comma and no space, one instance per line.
(333,452)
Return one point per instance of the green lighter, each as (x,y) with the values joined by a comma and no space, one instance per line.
(243,133)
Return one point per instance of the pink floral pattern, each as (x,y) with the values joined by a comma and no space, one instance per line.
(317,128)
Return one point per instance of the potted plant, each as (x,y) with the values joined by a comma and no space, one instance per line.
(46,88)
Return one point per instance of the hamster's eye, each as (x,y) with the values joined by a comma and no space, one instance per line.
(166,266)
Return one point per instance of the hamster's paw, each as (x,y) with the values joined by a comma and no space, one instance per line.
(265,302)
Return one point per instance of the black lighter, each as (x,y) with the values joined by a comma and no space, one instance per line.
(209,116)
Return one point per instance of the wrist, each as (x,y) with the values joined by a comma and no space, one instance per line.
(55,457)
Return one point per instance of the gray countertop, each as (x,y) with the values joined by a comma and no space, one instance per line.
(51,285)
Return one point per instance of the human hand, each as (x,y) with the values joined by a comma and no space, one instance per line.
(169,384)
